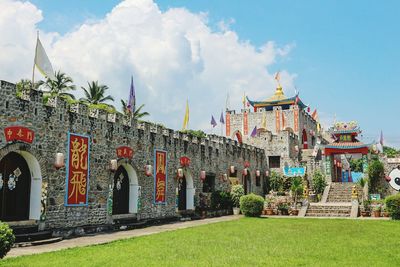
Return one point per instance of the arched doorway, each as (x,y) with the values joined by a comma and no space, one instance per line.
(246,183)
(305,139)
(126,190)
(186,192)
(121,192)
(15,183)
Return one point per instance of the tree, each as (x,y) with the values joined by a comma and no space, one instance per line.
(362,182)
(356,165)
(276,181)
(95,93)
(390,152)
(137,114)
(376,172)
(319,183)
(296,188)
(60,86)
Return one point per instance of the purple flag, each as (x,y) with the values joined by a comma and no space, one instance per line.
(213,122)
(254,132)
(132,98)
(221,119)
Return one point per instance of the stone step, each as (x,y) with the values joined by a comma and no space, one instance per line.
(327,215)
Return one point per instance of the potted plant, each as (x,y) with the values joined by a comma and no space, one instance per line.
(237,192)
(377,211)
(297,189)
(385,212)
(268,206)
(283,208)
(366,212)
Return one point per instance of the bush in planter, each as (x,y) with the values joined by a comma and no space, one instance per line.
(251,205)
(237,192)
(7,239)
(393,206)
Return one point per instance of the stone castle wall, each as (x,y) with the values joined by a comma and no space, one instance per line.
(51,125)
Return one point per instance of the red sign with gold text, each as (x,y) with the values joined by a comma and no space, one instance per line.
(160,176)
(245,123)
(124,152)
(77,180)
(19,133)
(277,121)
(296,119)
(228,124)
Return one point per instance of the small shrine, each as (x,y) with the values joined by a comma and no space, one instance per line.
(344,147)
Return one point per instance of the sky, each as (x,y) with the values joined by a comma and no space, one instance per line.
(342,56)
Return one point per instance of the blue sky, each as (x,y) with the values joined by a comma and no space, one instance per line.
(345,54)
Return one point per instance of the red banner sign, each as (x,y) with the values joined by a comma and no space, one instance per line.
(77,181)
(160,176)
(277,121)
(19,133)
(124,152)
(228,124)
(245,123)
(296,119)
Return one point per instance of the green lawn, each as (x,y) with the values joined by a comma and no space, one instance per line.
(244,242)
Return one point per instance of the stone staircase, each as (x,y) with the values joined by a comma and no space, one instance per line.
(329,210)
(338,203)
(340,192)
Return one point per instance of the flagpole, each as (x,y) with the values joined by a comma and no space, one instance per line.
(34,61)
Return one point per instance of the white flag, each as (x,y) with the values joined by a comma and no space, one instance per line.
(42,62)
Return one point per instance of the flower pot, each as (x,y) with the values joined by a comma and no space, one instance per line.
(295,212)
(236,211)
(269,212)
(385,214)
(203,214)
(284,212)
(365,214)
(376,213)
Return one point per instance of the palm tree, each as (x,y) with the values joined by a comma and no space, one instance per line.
(94,93)
(60,86)
(137,114)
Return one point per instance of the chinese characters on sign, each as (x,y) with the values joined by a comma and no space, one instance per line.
(124,152)
(245,124)
(78,170)
(160,176)
(19,133)
(277,121)
(228,124)
(296,119)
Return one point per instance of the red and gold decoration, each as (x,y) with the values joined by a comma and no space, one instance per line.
(245,123)
(277,121)
(296,119)
(19,133)
(160,176)
(228,124)
(77,180)
(185,161)
(124,152)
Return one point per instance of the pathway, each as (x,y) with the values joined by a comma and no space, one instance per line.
(109,237)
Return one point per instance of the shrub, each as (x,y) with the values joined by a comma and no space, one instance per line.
(7,239)
(393,206)
(318,181)
(220,200)
(237,192)
(251,205)
(276,181)
(375,174)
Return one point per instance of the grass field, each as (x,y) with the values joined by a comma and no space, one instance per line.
(244,242)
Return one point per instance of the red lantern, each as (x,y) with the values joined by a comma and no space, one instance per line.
(180,173)
(246,164)
(232,169)
(244,171)
(202,175)
(267,173)
(258,173)
(148,169)
(185,161)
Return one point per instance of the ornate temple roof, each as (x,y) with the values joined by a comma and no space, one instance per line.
(345,128)
(278,99)
(347,145)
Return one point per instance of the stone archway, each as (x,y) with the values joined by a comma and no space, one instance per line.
(186,191)
(128,195)
(24,171)
(304,139)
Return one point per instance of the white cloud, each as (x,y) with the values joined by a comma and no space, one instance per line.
(173,55)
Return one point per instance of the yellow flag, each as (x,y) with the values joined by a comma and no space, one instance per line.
(244,100)
(186,119)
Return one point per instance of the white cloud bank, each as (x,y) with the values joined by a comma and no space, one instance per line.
(172,55)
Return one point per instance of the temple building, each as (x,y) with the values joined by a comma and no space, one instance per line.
(282,126)
(344,147)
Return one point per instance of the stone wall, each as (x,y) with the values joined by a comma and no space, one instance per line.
(51,125)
